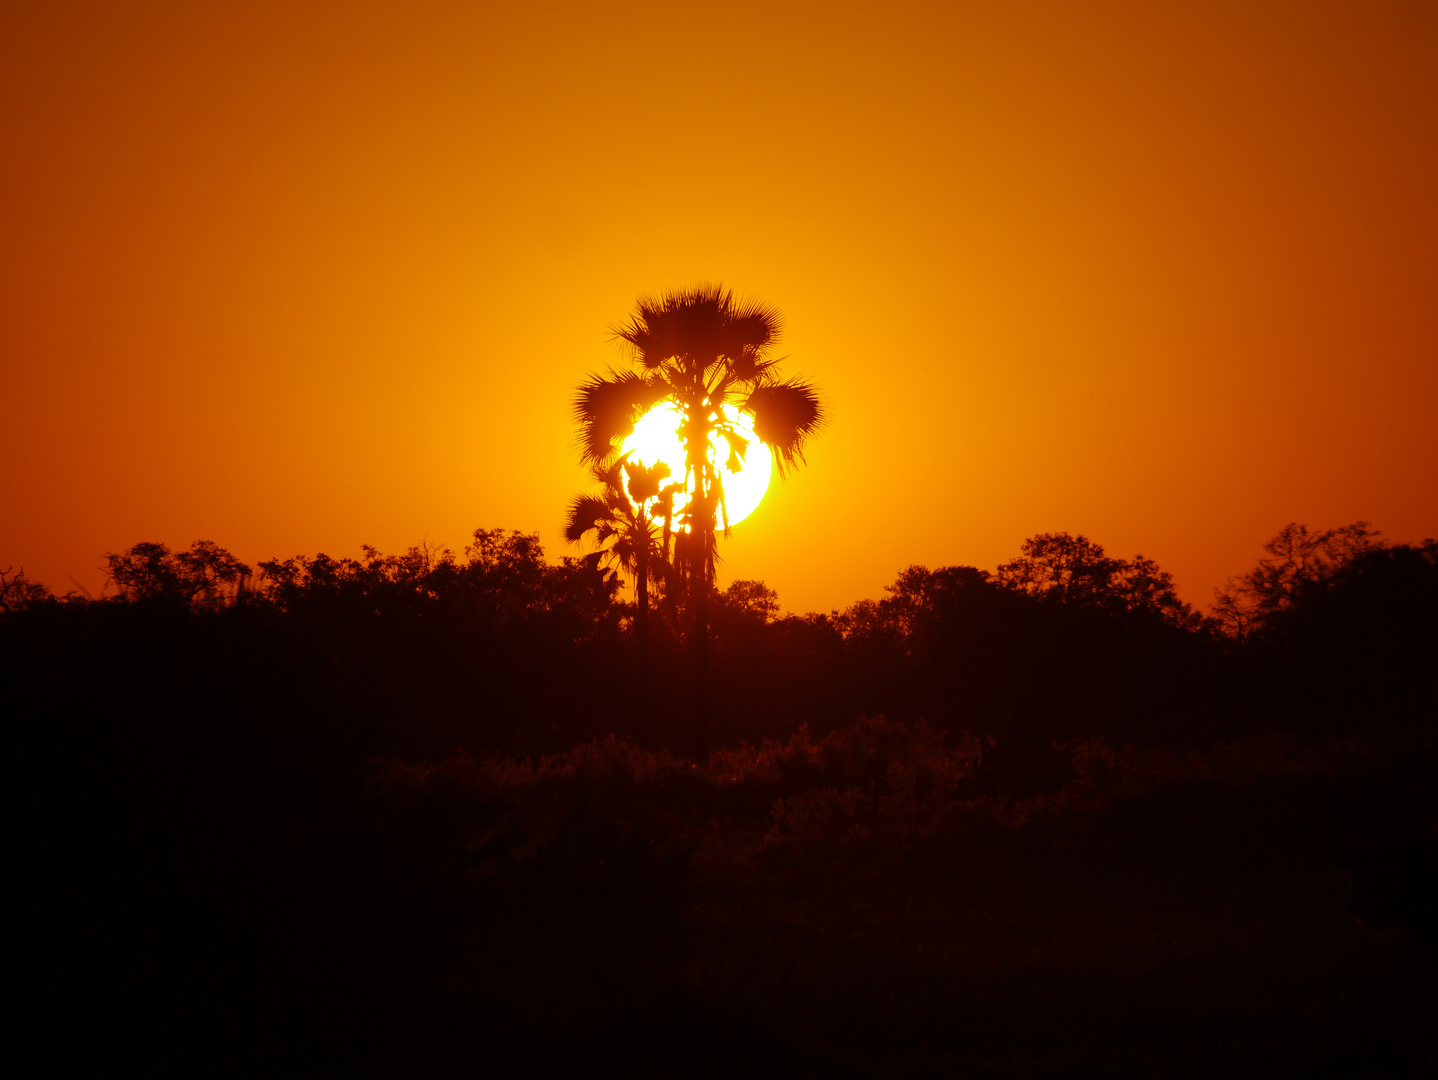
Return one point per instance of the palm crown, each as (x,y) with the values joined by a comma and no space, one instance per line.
(622,518)
(700,349)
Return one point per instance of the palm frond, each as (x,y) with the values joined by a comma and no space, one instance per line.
(586,514)
(685,325)
(644,480)
(607,406)
(750,329)
(720,499)
(750,367)
(785,414)
(738,447)
(608,474)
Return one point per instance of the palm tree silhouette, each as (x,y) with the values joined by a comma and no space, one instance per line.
(701,350)
(621,523)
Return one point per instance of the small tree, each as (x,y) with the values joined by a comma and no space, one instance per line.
(752,599)
(17,592)
(1061,568)
(623,523)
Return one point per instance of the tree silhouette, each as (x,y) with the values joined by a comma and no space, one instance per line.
(700,349)
(17,592)
(1067,569)
(621,521)
(205,576)
(1297,560)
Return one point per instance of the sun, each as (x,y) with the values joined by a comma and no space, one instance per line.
(656,438)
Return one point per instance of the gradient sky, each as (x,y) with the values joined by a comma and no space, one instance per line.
(295,277)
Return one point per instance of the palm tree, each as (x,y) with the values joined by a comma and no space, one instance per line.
(700,349)
(621,522)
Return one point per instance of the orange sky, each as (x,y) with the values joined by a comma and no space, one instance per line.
(295,277)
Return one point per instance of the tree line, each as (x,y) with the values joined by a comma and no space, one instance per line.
(496,648)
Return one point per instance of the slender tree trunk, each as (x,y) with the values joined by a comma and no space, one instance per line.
(701,532)
(699,543)
(700,586)
(641,624)
(641,592)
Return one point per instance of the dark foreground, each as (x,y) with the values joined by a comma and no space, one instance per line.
(870,904)
(364,819)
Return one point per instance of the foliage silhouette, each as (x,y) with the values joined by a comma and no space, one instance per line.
(1298,561)
(622,522)
(1065,569)
(1338,623)
(17,592)
(206,575)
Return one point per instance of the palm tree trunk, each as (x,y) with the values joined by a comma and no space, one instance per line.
(701,540)
(700,585)
(641,592)
(641,624)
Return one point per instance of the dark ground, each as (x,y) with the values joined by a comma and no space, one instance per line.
(370,824)
(616,912)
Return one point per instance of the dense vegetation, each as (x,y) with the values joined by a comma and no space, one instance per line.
(428,814)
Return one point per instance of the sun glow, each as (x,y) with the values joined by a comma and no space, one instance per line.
(656,438)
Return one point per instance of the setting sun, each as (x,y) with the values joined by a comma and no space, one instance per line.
(656,439)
